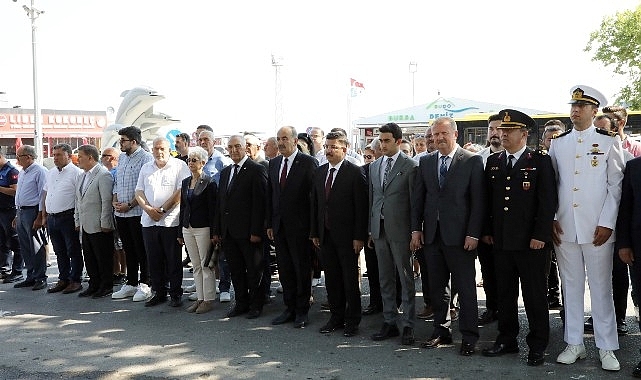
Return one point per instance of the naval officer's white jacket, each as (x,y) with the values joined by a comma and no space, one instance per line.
(589,168)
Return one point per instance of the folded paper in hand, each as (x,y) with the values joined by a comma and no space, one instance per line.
(39,239)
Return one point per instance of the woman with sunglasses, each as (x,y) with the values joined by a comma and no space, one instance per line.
(197,207)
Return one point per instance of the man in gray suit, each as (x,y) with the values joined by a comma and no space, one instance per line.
(391,180)
(447,214)
(94,218)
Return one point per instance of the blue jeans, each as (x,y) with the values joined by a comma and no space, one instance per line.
(66,244)
(36,262)
(9,242)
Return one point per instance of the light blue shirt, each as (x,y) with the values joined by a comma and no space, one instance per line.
(31,181)
(215,165)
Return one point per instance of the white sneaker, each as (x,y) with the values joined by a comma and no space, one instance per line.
(279,289)
(124,292)
(191,288)
(571,354)
(193,297)
(143,293)
(316,282)
(225,297)
(609,362)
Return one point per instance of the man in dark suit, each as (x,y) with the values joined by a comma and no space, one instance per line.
(239,225)
(288,217)
(339,230)
(522,201)
(390,186)
(628,223)
(447,215)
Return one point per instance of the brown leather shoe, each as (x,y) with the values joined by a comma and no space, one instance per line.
(58,287)
(72,288)
(437,341)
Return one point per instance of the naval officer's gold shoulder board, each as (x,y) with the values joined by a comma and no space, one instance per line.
(607,133)
(562,134)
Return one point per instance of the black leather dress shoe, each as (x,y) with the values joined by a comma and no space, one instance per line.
(155,300)
(25,284)
(87,293)
(487,317)
(467,349)
(39,285)
(102,293)
(301,321)
(331,326)
(236,311)
(387,331)
(499,349)
(287,316)
(535,358)
(373,309)
(350,331)
(253,313)
(408,336)
(637,371)
(437,341)
(588,327)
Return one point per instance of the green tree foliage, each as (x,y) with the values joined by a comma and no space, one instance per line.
(618,43)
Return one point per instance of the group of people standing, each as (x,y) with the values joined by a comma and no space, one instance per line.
(510,204)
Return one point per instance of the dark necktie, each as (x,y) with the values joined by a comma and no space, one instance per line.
(283,175)
(328,184)
(233,178)
(509,163)
(442,171)
(388,166)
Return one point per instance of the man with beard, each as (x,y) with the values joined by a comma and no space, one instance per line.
(488,274)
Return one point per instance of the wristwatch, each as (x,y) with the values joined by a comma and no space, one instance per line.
(163,210)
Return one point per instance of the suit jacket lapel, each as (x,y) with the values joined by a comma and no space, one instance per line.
(396,169)
(201,185)
(375,172)
(89,179)
(432,163)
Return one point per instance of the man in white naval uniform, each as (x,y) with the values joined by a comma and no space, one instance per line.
(589,168)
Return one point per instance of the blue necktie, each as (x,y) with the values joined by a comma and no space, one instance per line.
(442,171)
(387,169)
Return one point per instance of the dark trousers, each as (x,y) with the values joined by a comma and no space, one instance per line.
(554,283)
(245,261)
(425,282)
(340,264)
(530,266)
(8,243)
(35,262)
(620,285)
(164,257)
(486,259)
(130,232)
(294,265)
(443,261)
(224,275)
(372,277)
(98,251)
(267,274)
(66,244)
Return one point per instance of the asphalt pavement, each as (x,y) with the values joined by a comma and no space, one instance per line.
(48,336)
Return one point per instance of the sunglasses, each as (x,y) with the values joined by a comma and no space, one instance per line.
(193,160)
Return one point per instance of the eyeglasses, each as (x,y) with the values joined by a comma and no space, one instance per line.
(194,160)
(106,155)
(24,155)
(332,147)
(368,156)
(124,140)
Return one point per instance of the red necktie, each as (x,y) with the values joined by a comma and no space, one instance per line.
(328,184)
(283,175)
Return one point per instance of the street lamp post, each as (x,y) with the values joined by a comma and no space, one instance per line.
(413,67)
(33,14)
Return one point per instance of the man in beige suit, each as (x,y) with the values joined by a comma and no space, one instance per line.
(93,217)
